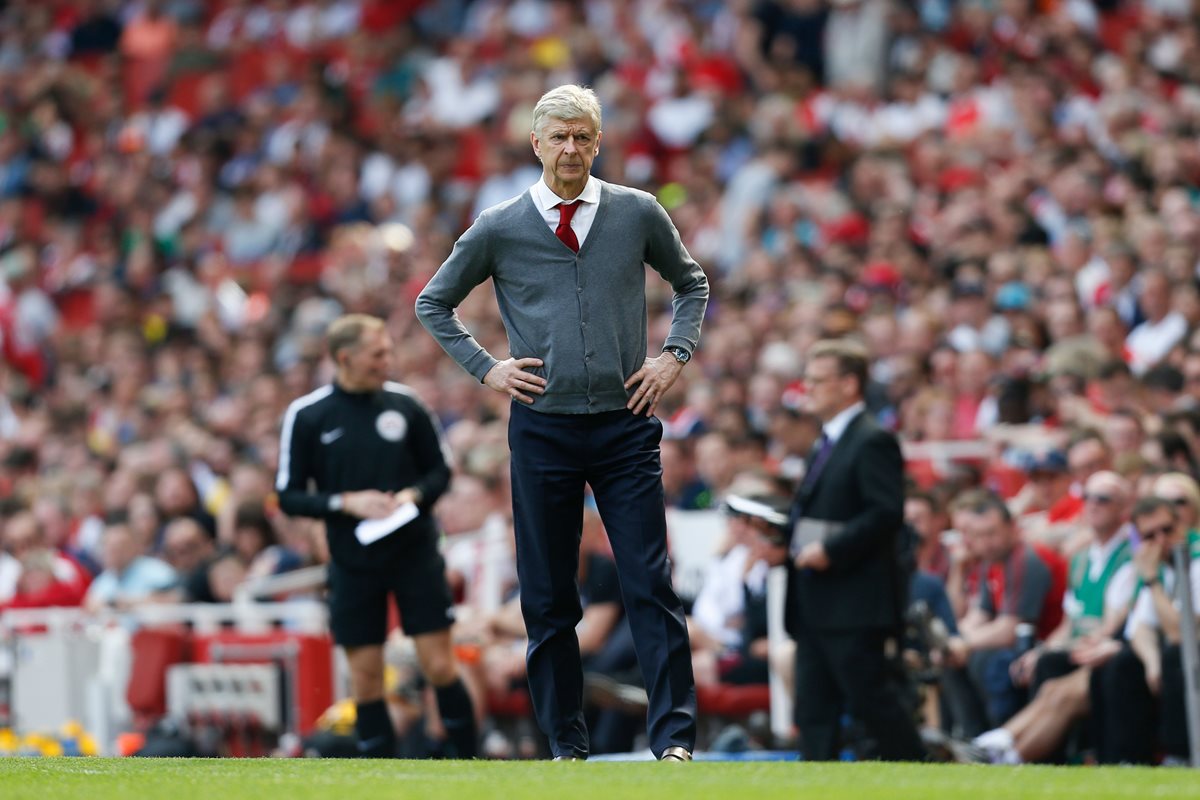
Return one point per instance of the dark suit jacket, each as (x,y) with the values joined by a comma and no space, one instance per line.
(862,486)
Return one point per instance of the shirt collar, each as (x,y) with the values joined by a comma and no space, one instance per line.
(546,199)
(834,429)
(1098,554)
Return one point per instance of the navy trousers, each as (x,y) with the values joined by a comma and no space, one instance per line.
(616,453)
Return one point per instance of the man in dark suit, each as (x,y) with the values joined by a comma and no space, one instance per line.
(844,596)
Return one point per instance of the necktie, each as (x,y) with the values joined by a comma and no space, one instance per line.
(563,231)
(818,461)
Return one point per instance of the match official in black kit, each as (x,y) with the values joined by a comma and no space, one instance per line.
(358,449)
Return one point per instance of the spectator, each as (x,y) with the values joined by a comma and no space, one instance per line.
(1017,591)
(682,485)
(1130,688)
(187,548)
(1162,329)
(130,577)
(1045,508)
(255,544)
(480,552)
(1099,597)
(922,512)
(41,575)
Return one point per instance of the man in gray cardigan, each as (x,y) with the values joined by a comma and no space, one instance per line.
(567,261)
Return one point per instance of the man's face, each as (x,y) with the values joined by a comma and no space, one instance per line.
(119,549)
(1122,434)
(1087,458)
(185,546)
(366,366)
(1104,504)
(828,390)
(993,535)
(1049,484)
(918,514)
(21,535)
(566,148)
(767,544)
(1159,526)
(797,434)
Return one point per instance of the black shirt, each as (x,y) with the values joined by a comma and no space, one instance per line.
(344,441)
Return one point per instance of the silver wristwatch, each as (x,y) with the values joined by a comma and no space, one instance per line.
(681,355)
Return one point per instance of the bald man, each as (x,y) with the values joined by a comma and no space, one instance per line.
(1097,582)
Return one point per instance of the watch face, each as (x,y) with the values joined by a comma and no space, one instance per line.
(681,355)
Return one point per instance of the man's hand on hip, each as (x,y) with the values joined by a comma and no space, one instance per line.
(368,504)
(509,377)
(656,376)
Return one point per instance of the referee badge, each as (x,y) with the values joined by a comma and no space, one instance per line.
(391,425)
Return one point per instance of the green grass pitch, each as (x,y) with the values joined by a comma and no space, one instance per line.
(301,779)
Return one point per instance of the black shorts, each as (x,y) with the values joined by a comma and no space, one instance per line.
(358,598)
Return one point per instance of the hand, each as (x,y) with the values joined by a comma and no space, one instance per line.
(1021,670)
(957,652)
(1094,652)
(657,375)
(368,504)
(760,648)
(1148,558)
(813,556)
(1154,679)
(410,495)
(509,377)
(957,552)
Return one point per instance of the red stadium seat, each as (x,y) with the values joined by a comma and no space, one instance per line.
(728,700)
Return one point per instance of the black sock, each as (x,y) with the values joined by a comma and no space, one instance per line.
(458,717)
(376,736)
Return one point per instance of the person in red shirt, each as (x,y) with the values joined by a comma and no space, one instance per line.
(46,577)
(1016,589)
(1046,508)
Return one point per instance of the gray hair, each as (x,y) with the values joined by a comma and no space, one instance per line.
(568,101)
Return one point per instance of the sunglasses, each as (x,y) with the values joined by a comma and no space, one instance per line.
(1163,530)
(1099,499)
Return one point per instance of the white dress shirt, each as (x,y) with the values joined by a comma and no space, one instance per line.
(834,429)
(547,202)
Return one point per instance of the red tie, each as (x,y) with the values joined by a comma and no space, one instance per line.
(563,231)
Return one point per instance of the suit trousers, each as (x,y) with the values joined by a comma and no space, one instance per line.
(1124,712)
(1173,730)
(616,453)
(847,672)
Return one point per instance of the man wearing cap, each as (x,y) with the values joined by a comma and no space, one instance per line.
(728,621)
(1045,508)
(846,592)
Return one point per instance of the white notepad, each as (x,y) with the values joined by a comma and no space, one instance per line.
(372,530)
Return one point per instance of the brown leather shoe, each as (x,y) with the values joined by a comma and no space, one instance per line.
(675,754)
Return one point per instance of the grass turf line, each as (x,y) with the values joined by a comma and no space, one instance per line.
(305,779)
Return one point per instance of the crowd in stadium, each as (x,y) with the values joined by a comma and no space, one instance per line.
(999,198)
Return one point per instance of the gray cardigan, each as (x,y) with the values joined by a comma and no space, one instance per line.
(583,314)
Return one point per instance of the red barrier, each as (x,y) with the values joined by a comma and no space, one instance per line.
(306,661)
